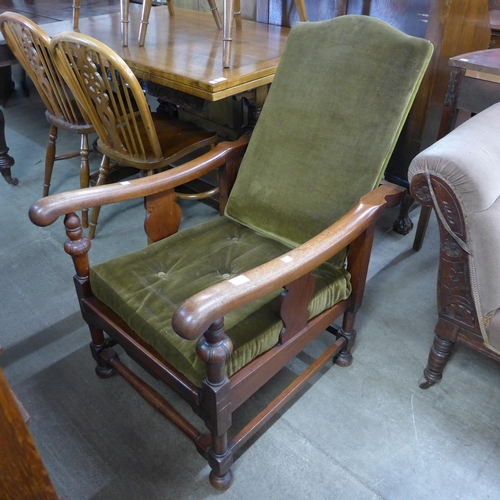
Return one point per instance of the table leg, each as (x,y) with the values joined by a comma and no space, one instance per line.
(6,161)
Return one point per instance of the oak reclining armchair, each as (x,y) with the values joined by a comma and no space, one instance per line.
(459,177)
(216,310)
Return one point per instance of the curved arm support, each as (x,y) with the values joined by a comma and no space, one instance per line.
(47,210)
(196,314)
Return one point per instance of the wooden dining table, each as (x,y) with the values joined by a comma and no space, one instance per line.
(181,60)
(184,51)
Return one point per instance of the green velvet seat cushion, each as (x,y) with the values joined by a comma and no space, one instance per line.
(145,288)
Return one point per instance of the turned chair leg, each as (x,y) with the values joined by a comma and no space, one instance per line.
(438,357)
(84,173)
(423,222)
(227,32)
(214,348)
(349,334)
(237,13)
(301,9)
(124,14)
(215,13)
(146,11)
(76,14)
(103,174)
(50,157)
(98,344)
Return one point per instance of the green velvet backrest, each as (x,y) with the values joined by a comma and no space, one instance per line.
(339,99)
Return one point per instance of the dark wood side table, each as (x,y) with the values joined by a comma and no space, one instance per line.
(474,85)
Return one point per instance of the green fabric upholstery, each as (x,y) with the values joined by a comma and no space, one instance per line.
(339,99)
(336,106)
(145,288)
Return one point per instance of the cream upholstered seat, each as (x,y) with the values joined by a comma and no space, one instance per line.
(459,176)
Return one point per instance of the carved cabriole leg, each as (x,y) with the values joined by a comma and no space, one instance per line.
(50,157)
(403,224)
(78,246)
(214,348)
(357,264)
(84,173)
(103,174)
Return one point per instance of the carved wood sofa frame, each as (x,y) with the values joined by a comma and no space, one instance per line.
(458,319)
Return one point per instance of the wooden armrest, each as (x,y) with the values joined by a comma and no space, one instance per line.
(47,210)
(193,317)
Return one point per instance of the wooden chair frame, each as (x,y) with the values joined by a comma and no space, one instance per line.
(128,135)
(30,45)
(201,316)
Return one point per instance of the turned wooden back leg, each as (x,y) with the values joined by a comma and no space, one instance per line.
(301,9)
(146,11)
(76,14)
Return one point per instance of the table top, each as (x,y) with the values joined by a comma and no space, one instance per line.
(184,52)
(484,61)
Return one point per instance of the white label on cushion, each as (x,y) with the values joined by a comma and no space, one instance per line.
(287,259)
(125,183)
(239,280)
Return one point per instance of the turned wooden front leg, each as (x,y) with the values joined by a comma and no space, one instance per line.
(438,358)
(78,246)
(214,348)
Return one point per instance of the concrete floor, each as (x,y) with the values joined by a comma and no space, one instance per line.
(362,432)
